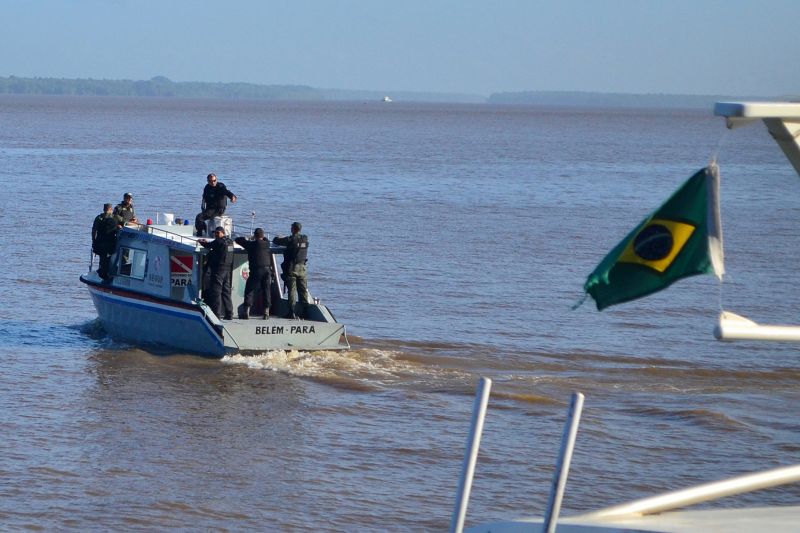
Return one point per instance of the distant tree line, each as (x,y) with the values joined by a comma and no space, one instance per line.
(164,87)
(590,99)
(158,86)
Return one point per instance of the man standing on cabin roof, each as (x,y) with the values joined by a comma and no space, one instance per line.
(124,212)
(260,279)
(220,264)
(104,239)
(215,200)
(294,267)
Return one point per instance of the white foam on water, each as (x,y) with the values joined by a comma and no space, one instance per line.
(377,367)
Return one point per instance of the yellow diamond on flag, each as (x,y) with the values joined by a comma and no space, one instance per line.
(657,244)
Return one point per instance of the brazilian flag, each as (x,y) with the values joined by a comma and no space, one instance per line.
(680,239)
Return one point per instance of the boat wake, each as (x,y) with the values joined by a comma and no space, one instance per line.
(364,369)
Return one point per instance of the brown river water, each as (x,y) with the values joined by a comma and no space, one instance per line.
(453,241)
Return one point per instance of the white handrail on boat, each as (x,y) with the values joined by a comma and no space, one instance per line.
(562,465)
(471,455)
(698,494)
(171,235)
(733,327)
(782,119)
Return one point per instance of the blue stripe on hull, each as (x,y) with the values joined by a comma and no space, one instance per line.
(147,322)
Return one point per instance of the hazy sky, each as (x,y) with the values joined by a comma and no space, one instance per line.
(730,47)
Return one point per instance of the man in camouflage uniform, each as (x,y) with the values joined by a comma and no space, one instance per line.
(294,267)
(124,211)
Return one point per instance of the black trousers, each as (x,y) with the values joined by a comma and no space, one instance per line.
(219,293)
(207,214)
(258,283)
(104,251)
(105,263)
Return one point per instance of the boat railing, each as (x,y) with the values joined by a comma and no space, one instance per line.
(698,494)
(668,501)
(473,444)
(159,230)
(167,234)
(240,230)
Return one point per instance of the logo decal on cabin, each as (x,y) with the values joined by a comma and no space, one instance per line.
(181,264)
(180,270)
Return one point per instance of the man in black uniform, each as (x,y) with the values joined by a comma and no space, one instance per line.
(294,267)
(107,211)
(215,200)
(220,264)
(124,211)
(104,239)
(260,278)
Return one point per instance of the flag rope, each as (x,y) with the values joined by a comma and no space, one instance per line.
(723,139)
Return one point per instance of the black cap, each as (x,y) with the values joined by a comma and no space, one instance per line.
(258,232)
(297,225)
(106,207)
(219,228)
(127,195)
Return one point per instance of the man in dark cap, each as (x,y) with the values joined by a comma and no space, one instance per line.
(107,210)
(294,267)
(215,200)
(260,278)
(124,212)
(104,239)
(220,265)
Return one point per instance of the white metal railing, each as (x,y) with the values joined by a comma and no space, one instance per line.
(171,235)
(699,494)
(471,455)
(563,463)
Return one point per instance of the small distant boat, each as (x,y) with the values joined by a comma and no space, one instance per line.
(156,297)
(387,99)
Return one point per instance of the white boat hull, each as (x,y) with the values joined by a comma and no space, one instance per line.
(141,319)
(258,334)
(138,319)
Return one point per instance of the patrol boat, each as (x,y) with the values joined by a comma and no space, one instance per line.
(155,297)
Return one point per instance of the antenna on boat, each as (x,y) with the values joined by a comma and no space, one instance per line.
(252,221)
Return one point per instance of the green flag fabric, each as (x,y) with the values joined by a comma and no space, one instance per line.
(681,238)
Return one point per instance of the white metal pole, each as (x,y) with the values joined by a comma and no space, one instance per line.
(564,460)
(471,455)
(701,493)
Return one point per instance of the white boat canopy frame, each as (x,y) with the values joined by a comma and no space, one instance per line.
(782,120)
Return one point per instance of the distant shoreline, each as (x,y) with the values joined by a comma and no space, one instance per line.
(166,88)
